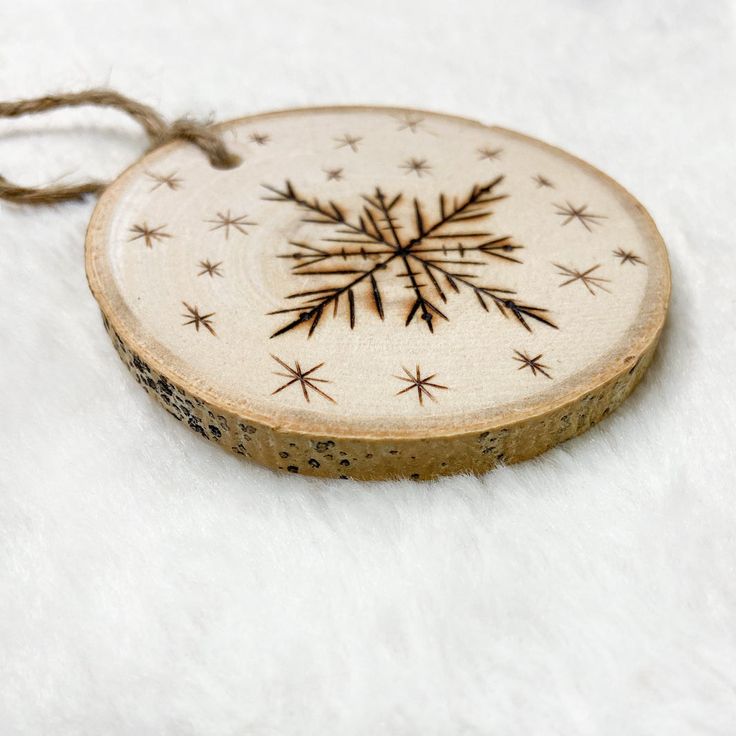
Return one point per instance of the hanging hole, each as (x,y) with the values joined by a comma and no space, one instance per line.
(231,162)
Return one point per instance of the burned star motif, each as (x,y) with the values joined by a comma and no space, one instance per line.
(628,256)
(150,235)
(209,268)
(306,379)
(225,221)
(171,181)
(489,154)
(584,277)
(423,385)
(410,123)
(348,141)
(333,174)
(260,139)
(418,166)
(435,252)
(581,214)
(193,317)
(532,363)
(542,181)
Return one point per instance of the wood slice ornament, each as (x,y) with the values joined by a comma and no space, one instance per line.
(378,292)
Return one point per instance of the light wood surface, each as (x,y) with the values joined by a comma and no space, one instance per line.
(378,292)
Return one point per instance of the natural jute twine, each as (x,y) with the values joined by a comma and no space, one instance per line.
(156,128)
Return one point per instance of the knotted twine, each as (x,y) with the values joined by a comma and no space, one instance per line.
(156,128)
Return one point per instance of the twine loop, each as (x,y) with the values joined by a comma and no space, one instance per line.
(159,132)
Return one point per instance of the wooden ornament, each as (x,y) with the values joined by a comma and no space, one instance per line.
(378,292)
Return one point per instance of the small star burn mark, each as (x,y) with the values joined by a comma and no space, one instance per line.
(150,235)
(533,363)
(585,218)
(306,379)
(195,318)
(421,385)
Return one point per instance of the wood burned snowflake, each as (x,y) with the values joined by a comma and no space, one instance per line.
(431,288)
(435,251)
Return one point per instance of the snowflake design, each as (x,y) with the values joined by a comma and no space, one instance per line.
(433,255)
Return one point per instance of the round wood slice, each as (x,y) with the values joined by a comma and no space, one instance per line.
(378,292)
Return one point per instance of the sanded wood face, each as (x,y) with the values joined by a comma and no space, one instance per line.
(372,273)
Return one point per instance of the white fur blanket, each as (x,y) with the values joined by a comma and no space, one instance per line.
(152,584)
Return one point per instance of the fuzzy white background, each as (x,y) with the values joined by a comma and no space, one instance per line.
(152,584)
